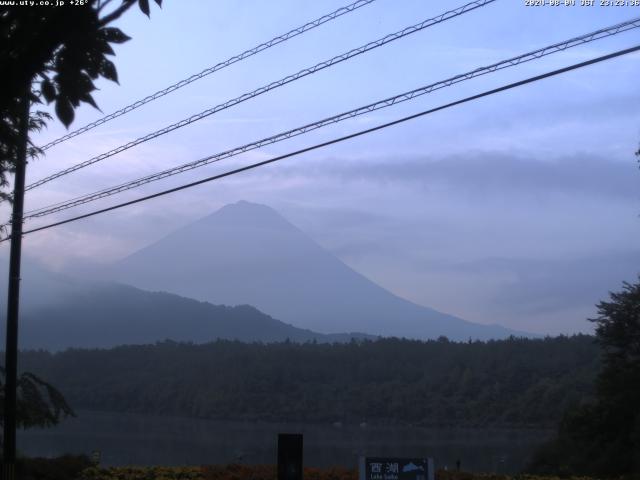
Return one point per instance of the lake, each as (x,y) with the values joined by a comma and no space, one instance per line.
(135,439)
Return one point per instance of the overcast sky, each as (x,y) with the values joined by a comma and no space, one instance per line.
(520,209)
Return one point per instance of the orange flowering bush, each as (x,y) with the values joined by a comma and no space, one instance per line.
(142,473)
(211,472)
(267,472)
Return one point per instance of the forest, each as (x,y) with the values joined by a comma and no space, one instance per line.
(514,382)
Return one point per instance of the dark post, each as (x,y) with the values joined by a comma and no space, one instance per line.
(289,456)
(13,300)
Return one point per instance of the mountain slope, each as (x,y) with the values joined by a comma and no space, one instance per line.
(248,254)
(59,312)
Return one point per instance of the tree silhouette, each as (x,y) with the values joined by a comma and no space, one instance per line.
(618,385)
(53,55)
(603,438)
(41,404)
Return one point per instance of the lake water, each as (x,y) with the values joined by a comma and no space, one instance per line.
(134,439)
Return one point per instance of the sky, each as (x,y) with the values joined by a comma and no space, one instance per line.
(521,208)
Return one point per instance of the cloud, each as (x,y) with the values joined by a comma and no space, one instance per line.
(485,172)
(544,286)
(522,240)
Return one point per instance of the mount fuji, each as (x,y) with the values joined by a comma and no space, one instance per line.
(247,253)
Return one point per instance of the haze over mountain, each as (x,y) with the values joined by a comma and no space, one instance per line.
(247,253)
(59,312)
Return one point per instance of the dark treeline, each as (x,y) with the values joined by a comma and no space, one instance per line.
(515,382)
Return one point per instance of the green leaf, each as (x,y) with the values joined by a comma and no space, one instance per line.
(48,90)
(114,35)
(64,111)
(34,98)
(144,6)
(108,70)
(93,64)
(84,83)
(86,97)
(103,47)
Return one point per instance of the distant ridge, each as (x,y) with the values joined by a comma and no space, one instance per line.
(246,253)
(60,312)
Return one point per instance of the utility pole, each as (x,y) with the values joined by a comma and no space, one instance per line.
(13,301)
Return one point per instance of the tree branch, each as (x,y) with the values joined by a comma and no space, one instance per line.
(117,13)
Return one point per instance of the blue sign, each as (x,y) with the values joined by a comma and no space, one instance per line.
(391,468)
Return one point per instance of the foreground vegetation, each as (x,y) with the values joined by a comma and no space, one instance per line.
(268,472)
(79,468)
(514,382)
(602,437)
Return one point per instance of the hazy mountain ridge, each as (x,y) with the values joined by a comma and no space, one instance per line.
(244,254)
(59,312)
(249,254)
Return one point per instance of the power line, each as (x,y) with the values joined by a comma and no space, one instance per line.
(560,46)
(208,71)
(341,139)
(271,86)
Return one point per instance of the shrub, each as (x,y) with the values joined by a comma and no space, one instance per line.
(67,467)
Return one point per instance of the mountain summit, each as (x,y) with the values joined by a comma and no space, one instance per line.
(247,253)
